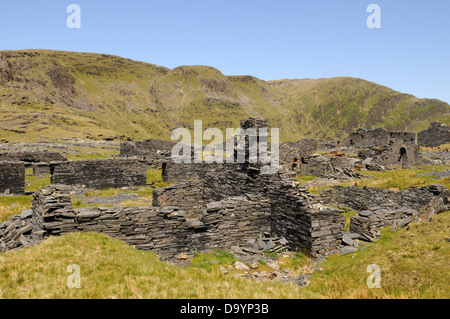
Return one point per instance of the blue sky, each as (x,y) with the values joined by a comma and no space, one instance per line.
(267,39)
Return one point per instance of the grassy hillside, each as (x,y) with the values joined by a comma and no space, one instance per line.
(52,94)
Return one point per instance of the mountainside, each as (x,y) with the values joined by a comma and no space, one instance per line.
(49,95)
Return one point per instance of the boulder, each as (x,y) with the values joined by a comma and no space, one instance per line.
(241,266)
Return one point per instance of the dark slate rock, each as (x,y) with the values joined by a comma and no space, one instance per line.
(352,235)
(88,214)
(365,213)
(348,249)
(26,213)
(347,240)
(403,222)
(214,206)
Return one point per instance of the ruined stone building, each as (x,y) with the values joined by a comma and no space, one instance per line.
(395,152)
(236,202)
(38,160)
(12,178)
(376,137)
(214,205)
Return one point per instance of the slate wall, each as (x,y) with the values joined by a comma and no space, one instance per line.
(12,178)
(101,173)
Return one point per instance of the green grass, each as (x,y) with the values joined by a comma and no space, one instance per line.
(13,205)
(302,179)
(35,183)
(347,214)
(414,262)
(111,269)
(400,179)
(209,261)
(154,178)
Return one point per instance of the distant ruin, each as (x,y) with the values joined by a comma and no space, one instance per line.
(236,203)
(437,134)
(377,137)
(38,160)
(395,152)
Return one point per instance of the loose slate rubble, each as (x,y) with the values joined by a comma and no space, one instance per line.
(257,248)
(16,233)
(327,167)
(357,198)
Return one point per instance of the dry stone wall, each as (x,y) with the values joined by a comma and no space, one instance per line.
(31,156)
(333,167)
(317,231)
(357,198)
(235,220)
(163,230)
(154,151)
(189,196)
(101,173)
(16,233)
(38,160)
(12,178)
(173,172)
(369,222)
